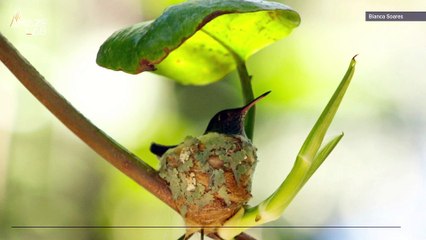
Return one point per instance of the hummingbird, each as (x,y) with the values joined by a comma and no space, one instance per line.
(228,122)
(210,176)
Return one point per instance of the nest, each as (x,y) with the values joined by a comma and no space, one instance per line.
(210,177)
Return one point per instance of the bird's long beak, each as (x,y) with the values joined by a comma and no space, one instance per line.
(247,107)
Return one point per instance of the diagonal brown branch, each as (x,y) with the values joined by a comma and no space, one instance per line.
(100,142)
(95,138)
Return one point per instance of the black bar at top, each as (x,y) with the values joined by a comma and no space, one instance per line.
(395,16)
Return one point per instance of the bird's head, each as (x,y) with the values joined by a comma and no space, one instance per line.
(231,121)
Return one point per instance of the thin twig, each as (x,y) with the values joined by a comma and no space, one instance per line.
(100,142)
(244,236)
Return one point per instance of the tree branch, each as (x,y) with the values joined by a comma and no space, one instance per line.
(95,138)
(100,142)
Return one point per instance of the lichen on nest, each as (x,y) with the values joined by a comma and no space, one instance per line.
(209,176)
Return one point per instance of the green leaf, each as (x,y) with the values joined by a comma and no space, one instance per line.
(316,136)
(195,42)
(322,155)
(307,162)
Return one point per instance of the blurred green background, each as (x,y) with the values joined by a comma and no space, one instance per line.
(376,176)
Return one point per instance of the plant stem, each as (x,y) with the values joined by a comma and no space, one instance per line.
(246,88)
(100,142)
(245,80)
